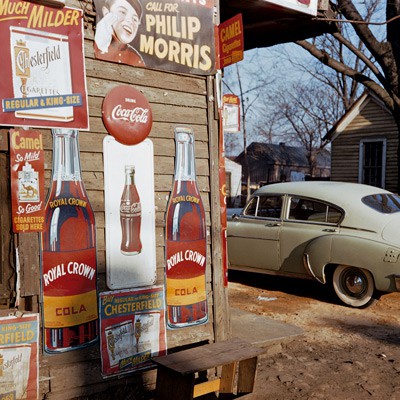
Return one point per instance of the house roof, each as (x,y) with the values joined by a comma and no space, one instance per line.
(267,24)
(282,154)
(352,113)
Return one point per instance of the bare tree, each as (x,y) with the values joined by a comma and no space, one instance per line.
(306,112)
(248,91)
(378,57)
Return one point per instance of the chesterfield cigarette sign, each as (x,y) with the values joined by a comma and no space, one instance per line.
(43,66)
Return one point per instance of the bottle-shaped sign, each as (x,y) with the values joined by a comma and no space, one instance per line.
(69,265)
(130,215)
(185,240)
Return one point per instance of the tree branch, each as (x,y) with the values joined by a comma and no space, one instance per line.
(359,54)
(344,69)
(379,50)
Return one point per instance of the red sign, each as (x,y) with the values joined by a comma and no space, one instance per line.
(230,41)
(222,203)
(43,70)
(127,115)
(132,328)
(230,113)
(27,180)
(68,253)
(186,240)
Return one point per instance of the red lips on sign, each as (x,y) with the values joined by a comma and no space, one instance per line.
(127,115)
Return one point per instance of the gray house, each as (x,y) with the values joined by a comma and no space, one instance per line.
(270,163)
(364,145)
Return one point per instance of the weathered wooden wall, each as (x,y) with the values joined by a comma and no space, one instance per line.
(174,99)
(372,122)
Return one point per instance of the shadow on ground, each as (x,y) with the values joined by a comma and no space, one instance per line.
(304,288)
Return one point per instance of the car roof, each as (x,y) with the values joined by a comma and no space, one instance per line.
(330,191)
(345,195)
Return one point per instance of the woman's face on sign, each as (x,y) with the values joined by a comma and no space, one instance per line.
(127,23)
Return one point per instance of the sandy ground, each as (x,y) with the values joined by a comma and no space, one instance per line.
(344,353)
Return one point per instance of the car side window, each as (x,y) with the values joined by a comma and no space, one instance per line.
(315,211)
(251,208)
(269,207)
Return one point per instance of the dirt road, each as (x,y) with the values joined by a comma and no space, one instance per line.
(344,354)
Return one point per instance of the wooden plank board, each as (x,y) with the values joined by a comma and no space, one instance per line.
(246,376)
(153,95)
(206,387)
(4,146)
(28,249)
(209,356)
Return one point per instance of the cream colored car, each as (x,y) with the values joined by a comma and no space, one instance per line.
(343,234)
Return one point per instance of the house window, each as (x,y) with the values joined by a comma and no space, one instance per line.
(372,162)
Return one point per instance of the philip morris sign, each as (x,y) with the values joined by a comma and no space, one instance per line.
(173,36)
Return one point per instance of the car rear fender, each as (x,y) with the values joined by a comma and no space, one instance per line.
(382,260)
(317,255)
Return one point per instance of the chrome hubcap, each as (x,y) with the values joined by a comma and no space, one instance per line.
(354,284)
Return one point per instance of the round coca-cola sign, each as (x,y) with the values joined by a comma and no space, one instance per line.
(127,115)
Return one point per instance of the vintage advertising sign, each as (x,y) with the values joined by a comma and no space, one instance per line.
(132,327)
(43,66)
(173,36)
(222,203)
(230,113)
(230,41)
(127,115)
(27,180)
(185,240)
(129,214)
(19,357)
(304,6)
(68,253)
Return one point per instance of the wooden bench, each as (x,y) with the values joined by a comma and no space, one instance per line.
(176,372)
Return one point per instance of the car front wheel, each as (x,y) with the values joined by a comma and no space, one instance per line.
(354,286)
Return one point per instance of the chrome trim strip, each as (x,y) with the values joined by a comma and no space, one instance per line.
(307,267)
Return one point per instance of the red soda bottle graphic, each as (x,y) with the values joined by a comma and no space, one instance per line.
(130,215)
(68,253)
(185,240)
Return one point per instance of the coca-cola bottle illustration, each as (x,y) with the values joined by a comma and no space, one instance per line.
(185,240)
(130,215)
(68,253)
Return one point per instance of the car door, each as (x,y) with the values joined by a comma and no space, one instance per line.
(253,236)
(304,220)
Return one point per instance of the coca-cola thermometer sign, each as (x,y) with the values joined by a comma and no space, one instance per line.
(127,115)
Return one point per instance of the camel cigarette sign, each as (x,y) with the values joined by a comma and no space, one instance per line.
(27,180)
(230,41)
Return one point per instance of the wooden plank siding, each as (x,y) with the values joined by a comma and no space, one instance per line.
(174,99)
(373,121)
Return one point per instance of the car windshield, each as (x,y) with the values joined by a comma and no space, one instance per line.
(385,203)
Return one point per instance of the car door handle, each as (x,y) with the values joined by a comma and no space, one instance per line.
(272,224)
(329,230)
